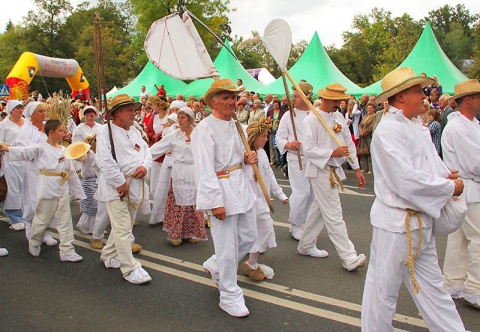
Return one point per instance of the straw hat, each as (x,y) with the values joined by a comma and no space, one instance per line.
(220,86)
(465,88)
(399,80)
(122,100)
(307,89)
(334,91)
(77,151)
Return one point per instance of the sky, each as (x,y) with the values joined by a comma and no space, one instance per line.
(330,18)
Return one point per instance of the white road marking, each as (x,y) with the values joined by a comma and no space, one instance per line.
(258,295)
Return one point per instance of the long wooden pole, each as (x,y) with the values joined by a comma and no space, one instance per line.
(290,106)
(312,108)
(101,78)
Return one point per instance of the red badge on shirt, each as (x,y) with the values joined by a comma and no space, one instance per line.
(137,147)
(61,159)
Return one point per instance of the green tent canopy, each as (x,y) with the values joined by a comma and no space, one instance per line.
(227,67)
(149,76)
(426,57)
(314,66)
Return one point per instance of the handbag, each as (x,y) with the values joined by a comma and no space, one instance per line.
(363,149)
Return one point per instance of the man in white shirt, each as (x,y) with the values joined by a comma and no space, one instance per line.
(122,186)
(144,94)
(412,185)
(301,197)
(461,151)
(325,173)
(224,192)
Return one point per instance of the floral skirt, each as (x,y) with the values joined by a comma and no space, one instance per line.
(183,221)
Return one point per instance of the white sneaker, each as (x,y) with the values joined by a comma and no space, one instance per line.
(138,276)
(472,300)
(267,271)
(296,231)
(359,262)
(112,263)
(314,252)
(49,240)
(3,252)
(19,226)
(211,270)
(238,309)
(70,257)
(34,251)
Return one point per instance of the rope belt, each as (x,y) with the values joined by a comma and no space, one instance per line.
(411,257)
(226,173)
(335,179)
(131,177)
(63,174)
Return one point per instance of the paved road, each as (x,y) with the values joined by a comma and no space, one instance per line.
(309,294)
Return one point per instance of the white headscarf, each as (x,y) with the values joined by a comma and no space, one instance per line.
(30,108)
(178,104)
(11,105)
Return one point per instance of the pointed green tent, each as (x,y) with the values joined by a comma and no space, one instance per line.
(228,67)
(149,76)
(314,66)
(426,57)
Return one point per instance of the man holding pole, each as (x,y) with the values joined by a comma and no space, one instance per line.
(224,192)
(324,171)
(122,185)
(412,185)
(301,197)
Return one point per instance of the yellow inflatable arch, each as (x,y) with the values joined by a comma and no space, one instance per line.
(31,64)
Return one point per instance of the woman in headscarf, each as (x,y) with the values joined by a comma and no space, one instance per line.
(32,133)
(9,129)
(182,220)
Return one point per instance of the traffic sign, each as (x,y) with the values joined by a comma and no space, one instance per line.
(4,90)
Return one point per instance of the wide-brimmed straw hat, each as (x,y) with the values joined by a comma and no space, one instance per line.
(465,88)
(399,80)
(220,86)
(334,91)
(77,151)
(306,87)
(122,100)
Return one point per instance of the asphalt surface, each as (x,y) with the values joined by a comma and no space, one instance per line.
(309,294)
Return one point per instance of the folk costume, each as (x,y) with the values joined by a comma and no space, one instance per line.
(89,171)
(265,232)
(182,220)
(411,187)
(14,173)
(325,174)
(56,178)
(461,151)
(301,197)
(131,152)
(218,155)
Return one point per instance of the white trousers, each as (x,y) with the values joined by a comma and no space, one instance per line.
(301,197)
(119,244)
(326,210)
(161,194)
(154,174)
(232,239)
(101,221)
(461,269)
(47,209)
(386,272)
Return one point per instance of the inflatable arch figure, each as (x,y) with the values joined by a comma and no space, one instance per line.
(30,64)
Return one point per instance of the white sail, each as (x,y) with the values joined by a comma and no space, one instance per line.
(174,46)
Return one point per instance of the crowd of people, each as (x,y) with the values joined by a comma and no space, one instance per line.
(208,163)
